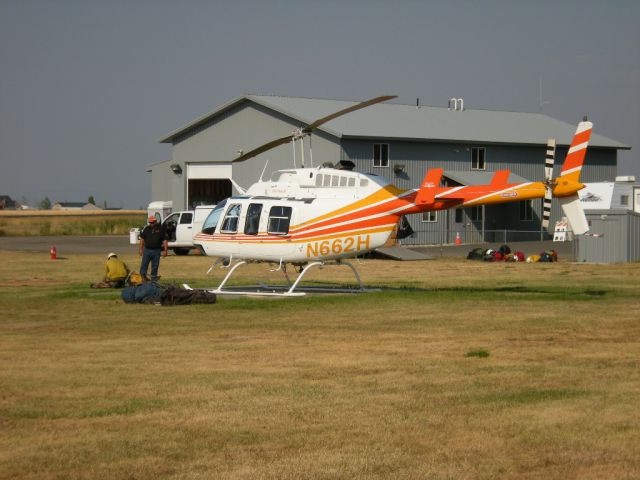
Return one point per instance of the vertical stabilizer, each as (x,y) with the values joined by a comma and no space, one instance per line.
(575,156)
(568,183)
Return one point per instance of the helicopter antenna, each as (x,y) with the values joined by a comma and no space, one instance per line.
(310,151)
(264,170)
(293,148)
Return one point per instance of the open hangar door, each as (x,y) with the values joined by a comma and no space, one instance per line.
(208,184)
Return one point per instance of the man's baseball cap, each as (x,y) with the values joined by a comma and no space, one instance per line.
(111,255)
(151,219)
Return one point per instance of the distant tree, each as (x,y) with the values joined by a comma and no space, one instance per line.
(45,204)
(92,200)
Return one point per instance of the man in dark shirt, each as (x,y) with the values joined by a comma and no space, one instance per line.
(153,242)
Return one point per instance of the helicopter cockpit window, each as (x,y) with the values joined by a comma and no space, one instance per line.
(352,182)
(252,223)
(364,182)
(230,222)
(326,182)
(343,181)
(319,178)
(279,219)
(210,224)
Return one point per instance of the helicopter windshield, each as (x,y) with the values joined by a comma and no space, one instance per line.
(209,225)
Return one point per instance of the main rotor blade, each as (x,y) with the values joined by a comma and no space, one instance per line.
(263,148)
(311,126)
(344,111)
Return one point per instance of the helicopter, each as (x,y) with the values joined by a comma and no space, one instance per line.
(316,216)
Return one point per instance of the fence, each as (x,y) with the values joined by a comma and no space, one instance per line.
(422,237)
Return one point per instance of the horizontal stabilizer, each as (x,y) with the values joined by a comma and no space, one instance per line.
(575,214)
(427,191)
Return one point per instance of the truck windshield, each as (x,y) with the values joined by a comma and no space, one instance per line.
(209,225)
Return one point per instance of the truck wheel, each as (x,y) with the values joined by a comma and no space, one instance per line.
(181,251)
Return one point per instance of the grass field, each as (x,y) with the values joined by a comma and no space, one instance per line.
(69,222)
(461,370)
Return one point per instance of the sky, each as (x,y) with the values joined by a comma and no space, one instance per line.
(88,87)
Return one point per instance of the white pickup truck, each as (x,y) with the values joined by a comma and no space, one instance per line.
(182,226)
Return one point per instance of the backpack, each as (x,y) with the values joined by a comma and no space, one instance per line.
(148,293)
(545,257)
(476,254)
(504,249)
(128,294)
(519,256)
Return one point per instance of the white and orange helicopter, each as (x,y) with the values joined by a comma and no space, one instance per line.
(314,216)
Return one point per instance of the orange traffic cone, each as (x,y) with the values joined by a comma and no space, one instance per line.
(53,252)
(458,239)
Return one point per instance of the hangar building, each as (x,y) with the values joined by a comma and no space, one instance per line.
(398,142)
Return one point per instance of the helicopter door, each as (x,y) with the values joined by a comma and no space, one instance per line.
(252,220)
(279,220)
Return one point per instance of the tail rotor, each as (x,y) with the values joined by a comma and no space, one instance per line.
(548,182)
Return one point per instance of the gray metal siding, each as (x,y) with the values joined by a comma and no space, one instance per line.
(617,241)
(620,189)
(166,185)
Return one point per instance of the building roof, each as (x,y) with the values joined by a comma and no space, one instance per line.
(407,122)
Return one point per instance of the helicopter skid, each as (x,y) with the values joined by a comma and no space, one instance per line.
(290,290)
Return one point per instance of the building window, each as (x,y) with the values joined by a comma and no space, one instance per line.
(526,211)
(624,200)
(477,158)
(458,215)
(279,218)
(252,222)
(380,154)
(230,222)
(475,213)
(430,217)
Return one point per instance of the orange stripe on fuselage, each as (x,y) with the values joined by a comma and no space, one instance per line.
(356,210)
(385,193)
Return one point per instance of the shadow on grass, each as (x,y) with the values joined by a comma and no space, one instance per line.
(405,291)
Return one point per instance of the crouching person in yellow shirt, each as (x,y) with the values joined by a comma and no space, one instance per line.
(115,273)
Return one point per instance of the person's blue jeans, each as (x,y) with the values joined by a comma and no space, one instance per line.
(150,255)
